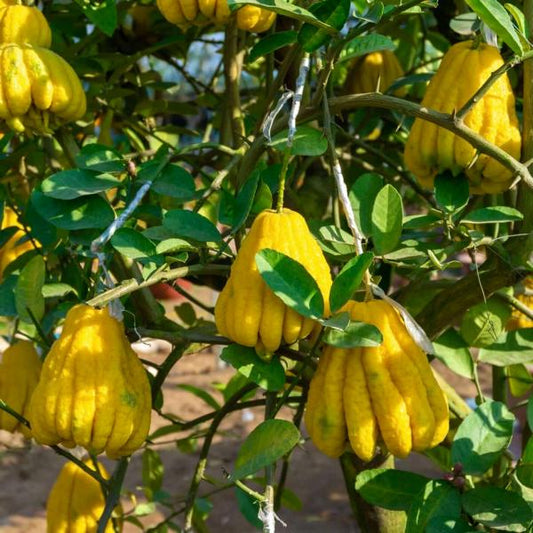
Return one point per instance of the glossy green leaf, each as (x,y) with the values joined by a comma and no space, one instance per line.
(200,393)
(244,201)
(387,218)
(365,44)
(512,347)
(290,282)
(307,141)
(519,378)
(451,192)
(483,323)
(102,14)
(362,197)
(99,158)
(482,437)
(348,280)
(356,334)
(453,351)
(70,184)
(498,508)
(267,443)
(191,225)
(270,375)
(389,488)
(493,215)
(132,244)
(29,298)
(174,181)
(271,43)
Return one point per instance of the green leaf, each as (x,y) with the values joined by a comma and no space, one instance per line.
(271,43)
(519,18)
(493,14)
(348,280)
(190,225)
(249,508)
(99,158)
(520,379)
(307,141)
(482,437)
(362,197)
(102,14)
(200,393)
(267,443)
(290,281)
(498,508)
(524,470)
(29,290)
(57,290)
(86,212)
(530,412)
(268,375)
(7,296)
(453,351)
(365,44)
(339,321)
(152,472)
(493,215)
(465,24)
(512,347)
(283,7)
(244,201)
(441,524)
(70,184)
(389,488)
(387,218)
(356,334)
(174,181)
(132,244)
(483,323)
(437,500)
(451,192)
(334,13)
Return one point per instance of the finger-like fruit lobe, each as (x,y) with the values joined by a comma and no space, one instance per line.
(76,501)
(23,24)
(376,71)
(519,320)
(93,391)
(20,368)
(13,248)
(184,13)
(39,90)
(430,149)
(247,311)
(385,395)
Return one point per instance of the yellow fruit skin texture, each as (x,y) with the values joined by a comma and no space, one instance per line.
(519,320)
(23,24)
(247,311)
(76,501)
(93,390)
(388,392)
(39,90)
(20,368)
(430,149)
(373,72)
(12,248)
(184,13)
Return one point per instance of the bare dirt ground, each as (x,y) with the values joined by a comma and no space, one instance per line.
(27,472)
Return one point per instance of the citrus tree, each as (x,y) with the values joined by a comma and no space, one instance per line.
(349,179)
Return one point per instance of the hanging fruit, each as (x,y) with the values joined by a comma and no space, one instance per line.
(20,368)
(431,149)
(382,396)
(23,24)
(247,311)
(93,391)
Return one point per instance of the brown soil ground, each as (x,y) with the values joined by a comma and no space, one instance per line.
(27,472)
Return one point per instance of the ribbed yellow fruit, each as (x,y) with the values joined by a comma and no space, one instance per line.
(365,396)
(13,248)
(519,320)
(93,391)
(431,149)
(373,72)
(247,311)
(184,13)
(76,501)
(23,24)
(20,368)
(39,90)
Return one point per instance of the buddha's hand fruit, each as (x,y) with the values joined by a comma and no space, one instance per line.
(93,391)
(431,149)
(247,311)
(372,396)
(374,72)
(20,368)
(23,24)
(40,90)
(76,501)
(519,320)
(16,245)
